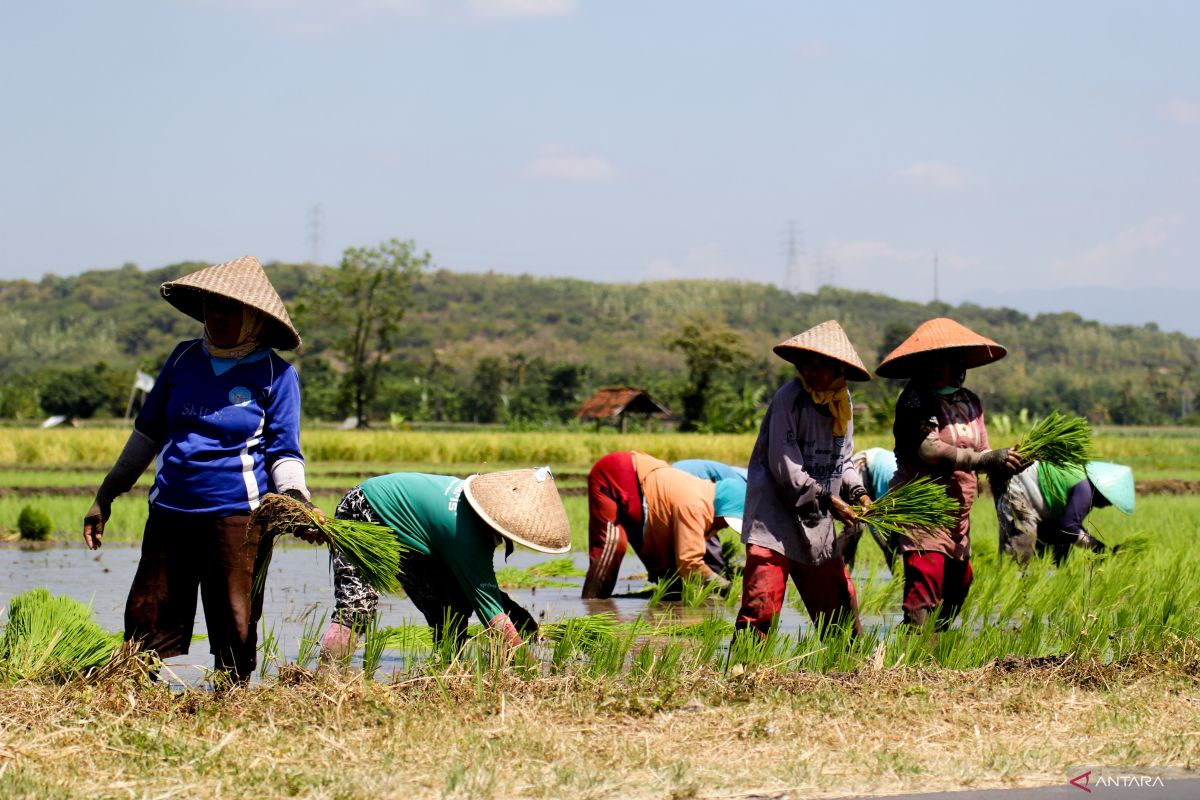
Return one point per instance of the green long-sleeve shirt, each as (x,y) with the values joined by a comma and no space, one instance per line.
(430,515)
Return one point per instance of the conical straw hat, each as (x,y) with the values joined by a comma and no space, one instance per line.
(522,505)
(243,280)
(940,334)
(1114,481)
(827,339)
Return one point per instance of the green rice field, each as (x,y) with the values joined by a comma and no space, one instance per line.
(1110,637)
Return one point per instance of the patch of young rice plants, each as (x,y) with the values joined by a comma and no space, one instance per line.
(52,638)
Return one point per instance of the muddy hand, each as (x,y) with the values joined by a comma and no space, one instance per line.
(313,535)
(93,525)
(842,511)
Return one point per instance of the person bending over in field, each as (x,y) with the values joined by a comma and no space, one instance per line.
(876,467)
(665,514)
(710,470)
(1043,507)
(798,468)
(450,529)
(723,555)
(223,420)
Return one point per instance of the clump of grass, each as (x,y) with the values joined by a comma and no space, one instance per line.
(34,524)
(52,638)
(1058,439)
(557,568)
(921,504)
(372,549)
(588,630)
(517,578)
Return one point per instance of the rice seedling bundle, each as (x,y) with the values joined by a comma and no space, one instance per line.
(588,630)
(1058,439)
(918,505)
(372,549)
(52,638)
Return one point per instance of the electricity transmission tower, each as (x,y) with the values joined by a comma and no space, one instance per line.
(794,247)
(314,234)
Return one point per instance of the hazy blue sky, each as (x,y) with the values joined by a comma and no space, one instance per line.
(1029,144)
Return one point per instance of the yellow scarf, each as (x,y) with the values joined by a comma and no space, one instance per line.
(837,397)
(253,322)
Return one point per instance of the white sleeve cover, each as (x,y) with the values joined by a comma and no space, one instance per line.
(288,473)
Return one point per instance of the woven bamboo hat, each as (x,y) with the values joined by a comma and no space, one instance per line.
(244,280)
(829,340)
(939,335)
(522,505)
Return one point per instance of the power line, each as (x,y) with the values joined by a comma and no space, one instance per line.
(935,276)
(794,255)
(314,234)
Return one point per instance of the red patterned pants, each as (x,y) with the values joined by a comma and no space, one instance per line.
(614,520)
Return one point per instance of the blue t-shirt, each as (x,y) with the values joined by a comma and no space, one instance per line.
(219,434)
(881,466)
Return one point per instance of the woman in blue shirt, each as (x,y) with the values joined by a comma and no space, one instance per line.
(222,425)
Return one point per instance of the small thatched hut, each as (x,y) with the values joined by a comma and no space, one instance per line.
(615,403)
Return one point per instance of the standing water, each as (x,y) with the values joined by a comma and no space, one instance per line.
(300,592)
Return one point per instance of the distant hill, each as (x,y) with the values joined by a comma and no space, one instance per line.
(1170,308)
(611,333)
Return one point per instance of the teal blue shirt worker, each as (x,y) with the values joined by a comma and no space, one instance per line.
(450,528)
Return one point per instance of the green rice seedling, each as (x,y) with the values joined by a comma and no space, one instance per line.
(694,592)
(920,504)
(310,638)
(268,650)
(408,638)
(374,643)
(372,549)
(557,568)
(1058,439)
(587,631)
(518,578)
(52,638)
(878,591)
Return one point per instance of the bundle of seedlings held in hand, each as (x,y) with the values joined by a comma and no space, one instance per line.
(920,504)
(52,638)
(1058,439)
(370,548)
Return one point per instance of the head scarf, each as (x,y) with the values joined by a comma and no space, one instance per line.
(837,397)
(253,322)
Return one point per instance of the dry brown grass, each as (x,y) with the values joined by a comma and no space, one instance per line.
(696,735)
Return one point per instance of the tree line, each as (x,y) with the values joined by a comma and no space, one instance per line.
(389,338)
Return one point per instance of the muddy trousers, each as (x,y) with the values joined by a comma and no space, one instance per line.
(931,580)
(185,552)
(614,521)
(826,589)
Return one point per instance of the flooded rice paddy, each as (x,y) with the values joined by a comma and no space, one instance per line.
(299,596)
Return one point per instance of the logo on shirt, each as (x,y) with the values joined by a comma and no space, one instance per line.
(453,494)
(239,396)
